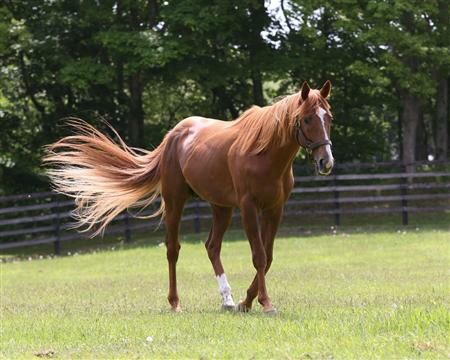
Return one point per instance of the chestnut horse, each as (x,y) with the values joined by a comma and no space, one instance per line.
(245,163)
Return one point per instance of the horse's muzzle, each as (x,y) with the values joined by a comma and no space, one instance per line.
(325,165)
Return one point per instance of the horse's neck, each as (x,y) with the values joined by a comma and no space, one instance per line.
(281,158)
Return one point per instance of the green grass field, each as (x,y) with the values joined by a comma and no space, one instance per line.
(380,295)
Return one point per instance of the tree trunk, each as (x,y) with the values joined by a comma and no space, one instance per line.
(258,19)
(410,121)
(421,139)
(442,119)
(258,96)
(136,120)
(136,81)
(442,115)
(410,103)
(400,133)
(152,13)
(223,102)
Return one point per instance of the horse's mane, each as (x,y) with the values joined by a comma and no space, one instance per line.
(261,128)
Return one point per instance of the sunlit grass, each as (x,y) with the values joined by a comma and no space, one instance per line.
(359,295)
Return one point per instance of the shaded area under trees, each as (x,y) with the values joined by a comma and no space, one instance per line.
(145,65)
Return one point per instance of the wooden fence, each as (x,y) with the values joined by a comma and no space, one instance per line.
(375,188)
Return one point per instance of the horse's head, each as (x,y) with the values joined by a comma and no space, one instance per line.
(313,126)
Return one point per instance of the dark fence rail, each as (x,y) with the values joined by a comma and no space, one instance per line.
(375,188)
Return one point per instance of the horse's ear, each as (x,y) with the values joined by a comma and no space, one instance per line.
(305,90)
(326,89)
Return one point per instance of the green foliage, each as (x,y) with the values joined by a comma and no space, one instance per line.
(145,65)
(79,73)
(348,296)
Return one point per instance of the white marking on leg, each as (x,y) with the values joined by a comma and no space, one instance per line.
(225,290)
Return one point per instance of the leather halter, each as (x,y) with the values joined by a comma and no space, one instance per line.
(305,142)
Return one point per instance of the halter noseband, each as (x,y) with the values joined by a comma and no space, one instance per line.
(308,144)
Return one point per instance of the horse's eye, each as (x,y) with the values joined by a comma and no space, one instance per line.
(307,121)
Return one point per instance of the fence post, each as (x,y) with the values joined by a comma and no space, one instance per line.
(337,214)
(127,227)
(57,243)
(403,193)
(197,225)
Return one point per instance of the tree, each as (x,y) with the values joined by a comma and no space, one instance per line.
(328,42)
(401,34)
(144,65)
(384,52)
(442,74)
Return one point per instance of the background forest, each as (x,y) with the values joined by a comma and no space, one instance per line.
(145,65)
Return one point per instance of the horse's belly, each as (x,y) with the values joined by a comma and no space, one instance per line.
(210,180)
(212,189)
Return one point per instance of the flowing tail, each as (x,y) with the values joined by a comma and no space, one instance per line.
(102,176)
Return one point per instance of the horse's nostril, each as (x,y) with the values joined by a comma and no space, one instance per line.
(324,165)
(321,161)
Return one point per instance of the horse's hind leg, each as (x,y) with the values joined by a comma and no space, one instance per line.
(174,191)
(270,221)
(172,221)
(221,221)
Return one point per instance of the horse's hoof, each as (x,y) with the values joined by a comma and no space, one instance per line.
(176,309)
(241,307)
(228,307)
(270,312)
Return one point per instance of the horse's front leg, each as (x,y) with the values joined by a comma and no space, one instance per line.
(221,221)
(250,219)
(270,220)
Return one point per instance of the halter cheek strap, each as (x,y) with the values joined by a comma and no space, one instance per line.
(308,144)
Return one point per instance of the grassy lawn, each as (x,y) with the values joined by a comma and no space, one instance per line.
(380,295)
